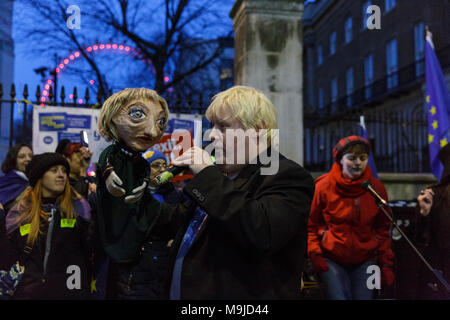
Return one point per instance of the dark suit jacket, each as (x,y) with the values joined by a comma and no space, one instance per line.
(253,243)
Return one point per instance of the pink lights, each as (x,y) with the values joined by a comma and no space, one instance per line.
(72,57)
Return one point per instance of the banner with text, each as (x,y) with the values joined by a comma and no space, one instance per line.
(52,124)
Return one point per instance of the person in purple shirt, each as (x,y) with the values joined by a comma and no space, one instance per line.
(14,182)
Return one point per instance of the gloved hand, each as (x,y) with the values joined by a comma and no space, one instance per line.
(319,264)
(113,184)
(136,194)
(387,276)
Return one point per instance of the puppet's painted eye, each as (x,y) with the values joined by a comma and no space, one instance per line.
(137,113)
(162,121)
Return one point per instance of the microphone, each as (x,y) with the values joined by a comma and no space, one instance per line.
(366,185)
(168,175)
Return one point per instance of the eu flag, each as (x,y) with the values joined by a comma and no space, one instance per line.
(363,133)
(437,103)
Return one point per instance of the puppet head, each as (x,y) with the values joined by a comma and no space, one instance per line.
(136,117)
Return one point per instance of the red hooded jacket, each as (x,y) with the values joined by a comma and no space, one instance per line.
(345,223)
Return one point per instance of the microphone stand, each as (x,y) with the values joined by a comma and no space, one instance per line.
(436,273)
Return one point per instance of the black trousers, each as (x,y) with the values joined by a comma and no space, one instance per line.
(148,278)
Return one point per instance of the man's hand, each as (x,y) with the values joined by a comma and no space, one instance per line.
(425,200)
(196,158)
(86,154)
(92,188)
(113,184)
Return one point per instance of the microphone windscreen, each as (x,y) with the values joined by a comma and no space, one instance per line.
(365,184)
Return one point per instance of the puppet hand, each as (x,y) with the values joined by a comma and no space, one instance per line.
(136,194)
(113,184)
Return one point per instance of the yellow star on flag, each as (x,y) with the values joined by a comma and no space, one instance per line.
(433,110)
(434,124)
(427,99)
(443,142)
(430,138)
(93,285)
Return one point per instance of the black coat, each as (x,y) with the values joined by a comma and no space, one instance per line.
(68,247)
(253,243)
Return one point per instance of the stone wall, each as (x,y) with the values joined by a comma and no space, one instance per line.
(268,57)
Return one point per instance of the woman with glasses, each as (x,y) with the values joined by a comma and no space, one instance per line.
(158,164)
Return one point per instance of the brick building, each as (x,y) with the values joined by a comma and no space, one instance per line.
(351,70)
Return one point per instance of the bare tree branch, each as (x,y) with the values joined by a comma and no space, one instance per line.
(159,30)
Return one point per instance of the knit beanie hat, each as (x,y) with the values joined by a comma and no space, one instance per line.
(152,154)
(41,163)
(344,143)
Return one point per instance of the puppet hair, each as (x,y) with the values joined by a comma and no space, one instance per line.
(114,103)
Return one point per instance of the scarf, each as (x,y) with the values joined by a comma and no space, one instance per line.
(348,187)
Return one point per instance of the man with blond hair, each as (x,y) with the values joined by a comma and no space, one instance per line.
(247,236)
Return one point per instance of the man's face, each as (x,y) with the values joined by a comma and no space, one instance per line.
(157,167)
(140,124)
(230,150)
(76,162)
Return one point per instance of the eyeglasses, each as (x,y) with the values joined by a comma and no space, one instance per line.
(158,165)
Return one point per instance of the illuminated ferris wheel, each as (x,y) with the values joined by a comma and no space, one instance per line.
(75,56)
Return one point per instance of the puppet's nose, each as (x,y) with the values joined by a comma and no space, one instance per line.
(152,130)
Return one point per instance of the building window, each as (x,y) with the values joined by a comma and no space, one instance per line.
(365,15)
(349,83)
(320,98)
(332,43)
(419,48)
(334,93)
(391,64)
(348,29)
(319,55)
(389,5)
(368,76)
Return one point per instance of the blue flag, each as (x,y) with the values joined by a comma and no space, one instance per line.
(363,133)
(437,104)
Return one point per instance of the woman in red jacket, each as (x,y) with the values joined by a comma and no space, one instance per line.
(347,232)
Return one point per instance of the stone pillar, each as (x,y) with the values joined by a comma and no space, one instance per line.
(268,57)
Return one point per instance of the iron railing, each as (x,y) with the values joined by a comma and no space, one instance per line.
(20,127)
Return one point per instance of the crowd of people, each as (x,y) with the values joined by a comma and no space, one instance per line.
(231,231)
